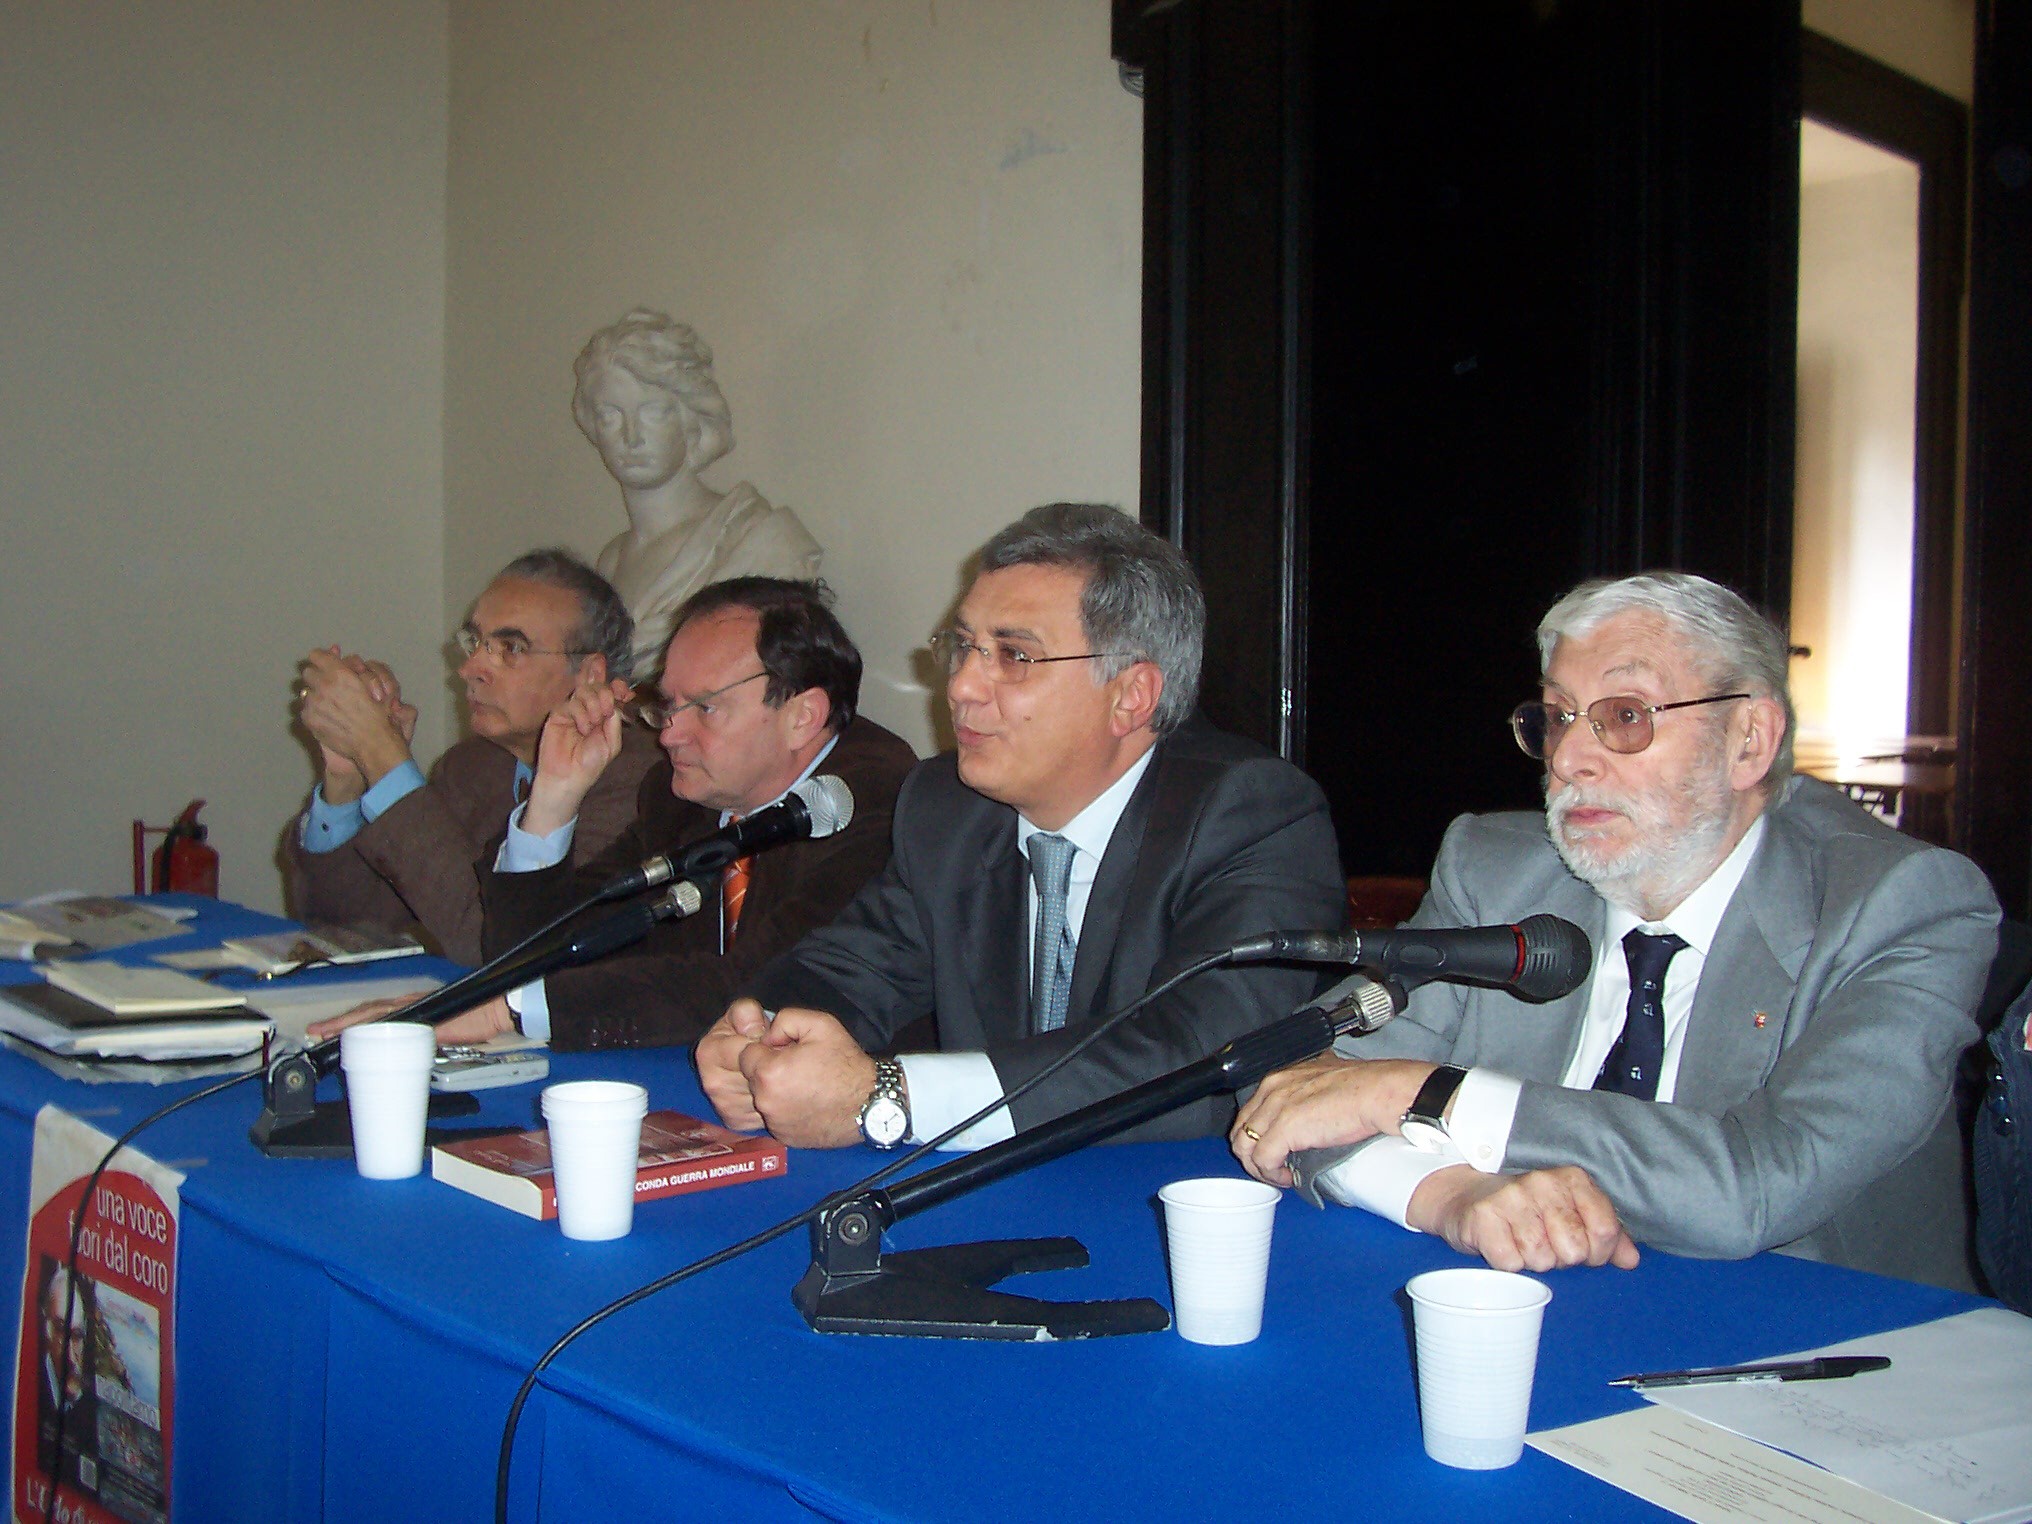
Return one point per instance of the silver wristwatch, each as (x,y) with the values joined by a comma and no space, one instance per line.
(1423,1124)
(885,1115)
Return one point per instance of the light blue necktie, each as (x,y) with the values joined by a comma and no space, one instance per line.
(1051,967)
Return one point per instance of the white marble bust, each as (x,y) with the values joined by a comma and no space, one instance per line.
(647,400)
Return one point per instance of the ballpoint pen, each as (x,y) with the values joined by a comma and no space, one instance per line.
(1826,1368)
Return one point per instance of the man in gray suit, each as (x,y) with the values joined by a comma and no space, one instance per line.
(1089,839)
(1782,986)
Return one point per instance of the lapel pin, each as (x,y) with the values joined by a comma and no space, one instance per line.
(1758,1019)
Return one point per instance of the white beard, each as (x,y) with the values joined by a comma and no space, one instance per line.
(1679,837)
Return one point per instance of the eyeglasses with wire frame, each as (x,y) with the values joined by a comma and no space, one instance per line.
(508,650)
(1002,663)
(1621,723)
(658,712)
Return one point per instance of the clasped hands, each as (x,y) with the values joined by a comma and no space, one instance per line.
(802,1076)
(353,709)
(1542,1219)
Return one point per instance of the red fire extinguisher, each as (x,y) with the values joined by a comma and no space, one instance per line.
(183,863)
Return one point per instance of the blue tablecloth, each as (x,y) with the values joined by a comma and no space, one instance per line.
(347,1348)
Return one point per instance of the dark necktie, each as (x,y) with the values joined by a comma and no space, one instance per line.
(1051,969)
(1639,1054)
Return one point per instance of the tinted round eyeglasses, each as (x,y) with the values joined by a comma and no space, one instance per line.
(1621,724)
(999,663)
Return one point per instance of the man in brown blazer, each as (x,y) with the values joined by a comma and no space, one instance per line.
(759,691)
(381,845)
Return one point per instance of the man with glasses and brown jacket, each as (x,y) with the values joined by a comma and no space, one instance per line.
(1782,985)
(759,692)
(382,845)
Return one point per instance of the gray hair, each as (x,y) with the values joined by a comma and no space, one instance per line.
(1141,601)
(659,351)
(605,626)
(1734,646)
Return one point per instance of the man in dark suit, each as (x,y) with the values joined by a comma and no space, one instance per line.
(759,691)
(1782,986)
(1088,840)
(382,845)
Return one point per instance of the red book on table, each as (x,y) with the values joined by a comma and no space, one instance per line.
(679,1154)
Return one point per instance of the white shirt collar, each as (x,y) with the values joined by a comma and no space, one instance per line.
(1699,915)
(1093,828)
(810,768)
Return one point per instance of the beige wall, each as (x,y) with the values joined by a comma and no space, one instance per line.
(222,253)
(292,296)
(910,231)
(1934,41)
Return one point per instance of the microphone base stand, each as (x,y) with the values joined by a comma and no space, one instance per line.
(295,1124)
(852,1286)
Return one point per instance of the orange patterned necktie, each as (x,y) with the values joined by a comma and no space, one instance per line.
(733,890)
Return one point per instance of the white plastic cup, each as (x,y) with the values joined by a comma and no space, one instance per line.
(595,1140)
(387,1067)
(1477,1337)
(1218,1233)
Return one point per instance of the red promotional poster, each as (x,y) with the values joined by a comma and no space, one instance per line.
(92,1410)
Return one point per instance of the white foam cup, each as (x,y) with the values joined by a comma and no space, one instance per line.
(387,1068)
(1477,1338)
(1217,1231)
(595,1140)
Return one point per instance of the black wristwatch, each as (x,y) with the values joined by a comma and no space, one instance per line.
(1423,1125)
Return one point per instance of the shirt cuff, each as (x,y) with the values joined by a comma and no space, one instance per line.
(532,1009)
(1381,1175)
(948,1087)
(523,853)
(1479,1120)
(327,827)
(396,785)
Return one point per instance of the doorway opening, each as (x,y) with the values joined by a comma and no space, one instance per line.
(1852,505)
(1876,516)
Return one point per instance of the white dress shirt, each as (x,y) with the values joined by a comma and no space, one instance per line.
(945,1087)
(1383,1173)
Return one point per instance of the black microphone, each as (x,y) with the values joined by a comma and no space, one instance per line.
(1540,958)
(815,808)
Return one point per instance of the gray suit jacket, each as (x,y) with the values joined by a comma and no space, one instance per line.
(1220,841)
(1823,1128)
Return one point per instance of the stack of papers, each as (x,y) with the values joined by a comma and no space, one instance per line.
(107,1010)
(1945,1433)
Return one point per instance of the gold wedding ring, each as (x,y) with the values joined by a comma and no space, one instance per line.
(1252,1135)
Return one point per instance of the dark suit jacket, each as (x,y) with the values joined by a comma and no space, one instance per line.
(1219,842)
(1811,1106)
(677,983)
(420,862)
(2003,1162)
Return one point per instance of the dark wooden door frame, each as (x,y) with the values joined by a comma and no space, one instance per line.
(1993,782)
(1226,358)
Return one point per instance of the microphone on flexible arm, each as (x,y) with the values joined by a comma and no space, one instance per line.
(817,807)
(1540,958)
(294,1121)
